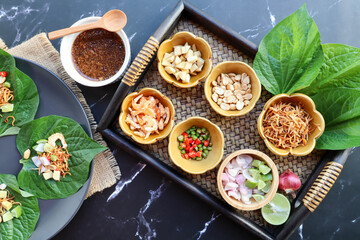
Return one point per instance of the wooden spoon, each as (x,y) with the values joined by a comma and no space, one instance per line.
(113,21)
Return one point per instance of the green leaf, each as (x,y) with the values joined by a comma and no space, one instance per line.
(290,55)
(26,97)
(336,93)
(23,227)
(80,146)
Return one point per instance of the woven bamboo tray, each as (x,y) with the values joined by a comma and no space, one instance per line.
(317,171)
(239,132)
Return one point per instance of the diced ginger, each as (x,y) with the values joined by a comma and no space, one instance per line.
(199,68)
(194,48)
(197,53)
(187,78)
(48,175)
(3,194)
(187,65)
(56,175)
(182,58)
(192,59)
(190,53)
(170,70)
(177,75)
(165,62)
(177,60)
(7,205)
(171,58)
(200,62)
(193,68)
(177,50)
(183,50)
(181,65)
(183,76)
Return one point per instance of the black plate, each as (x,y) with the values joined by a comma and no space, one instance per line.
(56,98)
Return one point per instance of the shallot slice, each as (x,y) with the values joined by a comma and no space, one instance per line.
(45,161)
(229,175)
(240,179)
(234,194)
(229,165)
(240,162)
(224,178)
(233,172)
(36,161)
(231,186)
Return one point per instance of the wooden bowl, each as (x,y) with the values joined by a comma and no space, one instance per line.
(238,68)
(193,166)
(309,106)
(254,204)
(181,38)
(125,110)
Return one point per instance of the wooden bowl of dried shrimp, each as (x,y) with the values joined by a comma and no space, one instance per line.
(147,116)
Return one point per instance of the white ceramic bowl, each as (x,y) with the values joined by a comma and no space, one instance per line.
(67,60)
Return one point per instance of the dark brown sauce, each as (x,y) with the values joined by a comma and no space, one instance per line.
(98,54)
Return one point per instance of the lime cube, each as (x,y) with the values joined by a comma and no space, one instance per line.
(267,187)
(256,163)
(255,173)
(16,212)
(250,184)
(264,169)
(48,147)
(7,217)
(267,177)
(258,197)
(261,184)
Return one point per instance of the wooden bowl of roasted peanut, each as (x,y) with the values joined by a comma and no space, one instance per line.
(232,88)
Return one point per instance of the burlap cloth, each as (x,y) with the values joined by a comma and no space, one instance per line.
(39,49)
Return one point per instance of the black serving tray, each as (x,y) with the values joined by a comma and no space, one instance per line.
(312,192)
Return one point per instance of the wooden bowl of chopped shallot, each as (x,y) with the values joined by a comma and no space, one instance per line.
(235,170)
(290,124)
(232,88)
(147,116)
(184,60)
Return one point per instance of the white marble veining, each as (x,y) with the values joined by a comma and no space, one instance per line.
(300,231)
(355,220)
(272,16)
(102,98)
(253,32)
(132,36)
(164,7)
(95,13)
(144,229)
(201,232)
(24,19)
(335,3)
(126,181)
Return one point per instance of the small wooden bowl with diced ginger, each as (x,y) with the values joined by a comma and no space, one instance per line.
(184,60)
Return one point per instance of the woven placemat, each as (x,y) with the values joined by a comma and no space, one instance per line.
(39,50)
(239,132)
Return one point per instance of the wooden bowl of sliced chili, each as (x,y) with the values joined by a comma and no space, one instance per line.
(290,124)
(196,165)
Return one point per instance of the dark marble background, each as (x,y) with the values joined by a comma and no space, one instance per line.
(145,205)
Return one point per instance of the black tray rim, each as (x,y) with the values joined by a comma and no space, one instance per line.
(299,211)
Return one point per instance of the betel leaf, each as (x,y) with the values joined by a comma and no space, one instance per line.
(80,146)
(26,98)
(22,227)
(290,55)
(336,93)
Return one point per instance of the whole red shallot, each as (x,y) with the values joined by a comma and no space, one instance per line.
(289,182)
